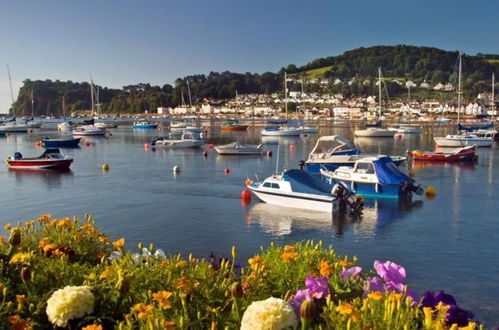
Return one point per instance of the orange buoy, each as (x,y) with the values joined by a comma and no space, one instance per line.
(246,195)
(38,144)
(292,147)
(211,146)
(269,153)
(227,171)
(205,153)
(248,182)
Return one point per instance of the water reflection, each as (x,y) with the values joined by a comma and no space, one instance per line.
(428,165)
(51,178)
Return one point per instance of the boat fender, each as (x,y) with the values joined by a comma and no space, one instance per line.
(269,153)
(87,144)
(378,188)
(246,195)
(105,167)
(176,169)
(211,146)
(248,181)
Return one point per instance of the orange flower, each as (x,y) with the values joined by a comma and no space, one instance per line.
(375,295)
(43,241)
(104,239)
(162,298)
(256,262)
(7,226)
(289,256)
(325,268)
(119,244)
(53,222)
(181,263)
(143,310)
(88,228)
(289,248)
(169,325)
(105,273)
(49,249)
(18,323)
(44,218)
(345,263)
(349,310)
(184,284)
(92,327)
(29,223)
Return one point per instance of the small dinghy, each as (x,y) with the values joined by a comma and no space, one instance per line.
(466,154)
(144,125)
(60,143)
(187,140)
(50,159)
(236,148)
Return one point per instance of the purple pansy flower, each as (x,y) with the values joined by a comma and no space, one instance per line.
(392,274)
(454,314)
(318,287)
(347,273)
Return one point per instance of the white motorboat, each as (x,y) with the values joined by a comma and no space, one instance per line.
(14,127)
(236,148)
(309,129)
(105,124)
(187,140)
(463,140)
(296,189)
(89,130)
(66,126)
(406,129)
(281,131)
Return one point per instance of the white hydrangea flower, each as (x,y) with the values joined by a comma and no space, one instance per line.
(272,313)
(69,303)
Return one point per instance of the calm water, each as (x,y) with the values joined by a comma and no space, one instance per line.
(450,242)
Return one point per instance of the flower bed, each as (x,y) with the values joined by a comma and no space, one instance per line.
(66,273)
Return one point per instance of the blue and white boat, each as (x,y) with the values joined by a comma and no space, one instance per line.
(333,151)
(144,125)
(297,189)
(374,177)
(60,143)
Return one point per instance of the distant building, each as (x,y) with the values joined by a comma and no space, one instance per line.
(438,87)
(163,111)
(424,84)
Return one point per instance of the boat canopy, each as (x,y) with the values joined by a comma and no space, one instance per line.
(388,172)
(51,151)
(239,146)
(376,124)
(303,182)
(332,144)
(474,128)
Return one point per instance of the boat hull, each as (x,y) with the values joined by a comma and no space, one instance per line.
(149,126)
(297,200)
(89,133)
(178,144)
(372,190)
(463,155)
(40,164)
(457,142)
(282,132)
(56,143)
(315,166)
(234,128)
(375,133)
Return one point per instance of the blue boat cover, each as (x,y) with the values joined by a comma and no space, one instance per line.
(303,182)
(388,172)
(376,124)
(277,121)
(473,128)
(272,128)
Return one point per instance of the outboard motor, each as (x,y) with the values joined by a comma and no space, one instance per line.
(347,199)
(18,155)
(409,188)
(301,163)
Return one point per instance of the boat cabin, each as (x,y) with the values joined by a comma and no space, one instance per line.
(334,144)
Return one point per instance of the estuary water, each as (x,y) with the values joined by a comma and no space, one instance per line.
(448,243)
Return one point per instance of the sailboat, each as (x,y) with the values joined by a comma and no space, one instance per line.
(283,130)
(466,139)
(376,131)
(32,123)
(11,125)
(488,129)
(406,127)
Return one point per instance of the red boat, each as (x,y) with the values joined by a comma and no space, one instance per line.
(466,154)
(233,127)
(50,159)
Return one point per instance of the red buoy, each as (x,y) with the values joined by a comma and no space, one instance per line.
(38,144)
(87,144)
(269,153)
(147,146)
(246,195)
(211,146)
(292,147)
(227,171)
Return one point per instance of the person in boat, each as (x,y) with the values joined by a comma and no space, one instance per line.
(17,155)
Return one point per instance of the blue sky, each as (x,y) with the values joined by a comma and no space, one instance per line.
(124,42)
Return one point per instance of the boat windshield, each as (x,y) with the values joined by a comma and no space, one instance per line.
(327,146)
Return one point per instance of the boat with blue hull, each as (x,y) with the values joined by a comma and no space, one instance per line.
(377,177)
(144,125)
(60,143)
(333,151)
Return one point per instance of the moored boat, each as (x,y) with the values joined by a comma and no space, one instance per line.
(281,131)
(60,143)
(465,154)
(89,130)
(50,159)
(65,126)
(187,140)
(144,125)
(462,140)
(233,126)
(374,177)
(236,148)
(13,127)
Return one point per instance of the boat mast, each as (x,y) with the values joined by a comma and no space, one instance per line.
(32,104)
(379,90)
(92,93)
(286,94)
(459,92)
(493,96)
(190,100)
(11,92)
(63,107)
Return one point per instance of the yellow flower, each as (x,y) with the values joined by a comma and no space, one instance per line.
(44,218)
(289,248)
(104,239)
(7,226)
(181,263)
(289,256)
(29,223)
(43,241)
(92,327)
(428,317)
(53,222)
(350,311)
(272,313)
(20,298)
(375,295)
(143,310)
(21,258)
(394,296)
(119,244)
(256,262)
(325,268)
(105,273)
(88,228)
(49,249)
(64,223)
(162,298)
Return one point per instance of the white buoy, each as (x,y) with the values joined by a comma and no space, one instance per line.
(176,169)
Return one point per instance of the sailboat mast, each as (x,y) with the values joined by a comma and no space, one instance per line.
(63,107)
(493,95)
(11,92)
(379,90)
(286,94)
(190,100)
(32,105)
(92,94)
(459,92)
